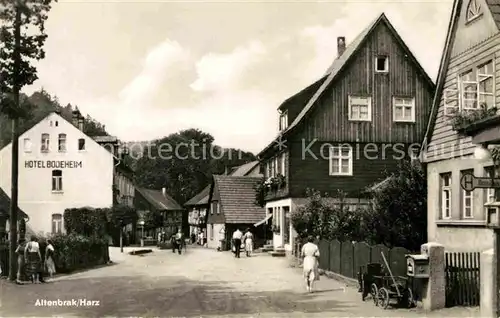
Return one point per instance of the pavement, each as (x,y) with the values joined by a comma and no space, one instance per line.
(199,283)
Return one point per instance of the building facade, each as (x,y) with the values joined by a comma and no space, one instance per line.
(350,128)
(59,168)
(463,129)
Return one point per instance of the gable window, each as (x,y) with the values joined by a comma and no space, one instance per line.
(341,160)
(467,199)
(404,109)
(473,10)
(445,195)
(477,87)
(381,64)
(81,144)
(360,108)
(217,207)
(45,143)
(57,185)
(27,145)
(56,223)
(283,120)
(62,142)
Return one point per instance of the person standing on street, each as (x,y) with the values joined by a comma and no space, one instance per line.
(310,254)
(237,235)
(248,240)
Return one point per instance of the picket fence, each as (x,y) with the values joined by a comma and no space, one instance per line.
(462,279)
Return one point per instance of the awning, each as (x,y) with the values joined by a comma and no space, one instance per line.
(263,221)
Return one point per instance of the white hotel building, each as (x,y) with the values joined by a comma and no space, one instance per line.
(60,167)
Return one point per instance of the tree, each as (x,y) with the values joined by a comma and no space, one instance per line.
(18,48)
(399,214)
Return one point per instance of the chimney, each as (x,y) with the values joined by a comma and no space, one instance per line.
(164,192)
(80,123)
(75,115)
(340,45)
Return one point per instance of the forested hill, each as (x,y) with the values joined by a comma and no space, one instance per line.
(39,105)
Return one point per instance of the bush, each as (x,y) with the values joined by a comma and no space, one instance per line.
(86,221)
(74,251)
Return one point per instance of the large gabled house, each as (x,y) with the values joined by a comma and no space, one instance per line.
(349,128)
(463,129)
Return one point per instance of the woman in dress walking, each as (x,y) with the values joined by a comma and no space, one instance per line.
(310,253)
(49,259)
(248,239)
(33,259)
(20,259)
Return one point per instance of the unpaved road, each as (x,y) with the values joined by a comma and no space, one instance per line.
(200,283)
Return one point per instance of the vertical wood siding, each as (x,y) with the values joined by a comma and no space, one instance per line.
(329,119)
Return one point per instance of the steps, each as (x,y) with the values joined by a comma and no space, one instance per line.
(267,248)
(278,252)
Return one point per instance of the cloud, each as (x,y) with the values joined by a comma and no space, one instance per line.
(223,71)
(160,63)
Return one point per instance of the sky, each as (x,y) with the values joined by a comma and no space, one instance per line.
(146,69)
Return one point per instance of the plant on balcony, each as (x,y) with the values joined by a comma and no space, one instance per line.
(464,118)
(281,180)
(261,189)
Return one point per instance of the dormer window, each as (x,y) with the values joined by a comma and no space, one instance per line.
(473,10)
(284,120)
(381,64)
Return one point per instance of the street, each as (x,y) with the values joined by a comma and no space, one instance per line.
(201,282)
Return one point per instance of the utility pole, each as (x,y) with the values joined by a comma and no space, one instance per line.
(15,148)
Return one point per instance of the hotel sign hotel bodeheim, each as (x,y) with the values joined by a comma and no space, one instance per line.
(60,167)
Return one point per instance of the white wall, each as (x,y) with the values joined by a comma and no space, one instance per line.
(89,184)
(213,241)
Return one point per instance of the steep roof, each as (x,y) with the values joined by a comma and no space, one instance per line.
(199,198)
(340,63)
(494,7)
(158,200)
(237,198)
(5,205)
(244,169)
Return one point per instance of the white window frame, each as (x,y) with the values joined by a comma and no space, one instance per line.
(368,103)
(473,11)
(218,207)
(58,186)
(57,223)
(477,76)
(27,145)
(283,124)
(45,142)
(395,104)
(268,169)
(283,160)
(386,64)
(451,100)
(446,189)
(490,194)
(62,142)
(339,158)
(464,196)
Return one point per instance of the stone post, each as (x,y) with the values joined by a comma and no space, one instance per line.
(488,270)
(434,288)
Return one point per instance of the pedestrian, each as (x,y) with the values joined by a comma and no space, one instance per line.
(49,259)
(177,241)
(248,239)
(310,253)
(33,259)
(20,260)
(237,236)
(42,245)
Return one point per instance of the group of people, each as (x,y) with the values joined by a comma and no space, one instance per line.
(34,260)
(244,241)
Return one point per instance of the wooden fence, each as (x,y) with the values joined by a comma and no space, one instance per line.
(462,279)
(346,258)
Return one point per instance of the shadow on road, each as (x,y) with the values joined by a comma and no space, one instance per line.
(162,296)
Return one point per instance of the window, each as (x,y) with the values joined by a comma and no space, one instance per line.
(446,195)
(57,185)
(477,87)
(81,144)
(283,162)
(217,206)
(268,170)
(473,10)
(62,143)
(467,199)
(490,193)
(404,109)
(57,123)
(451,100)
(381,64)
(45,143)
(27,145)
(341,161)
(360,108)
(273,167)
(56,223)
(284,121)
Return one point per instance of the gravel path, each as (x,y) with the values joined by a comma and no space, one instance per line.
(200,283)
